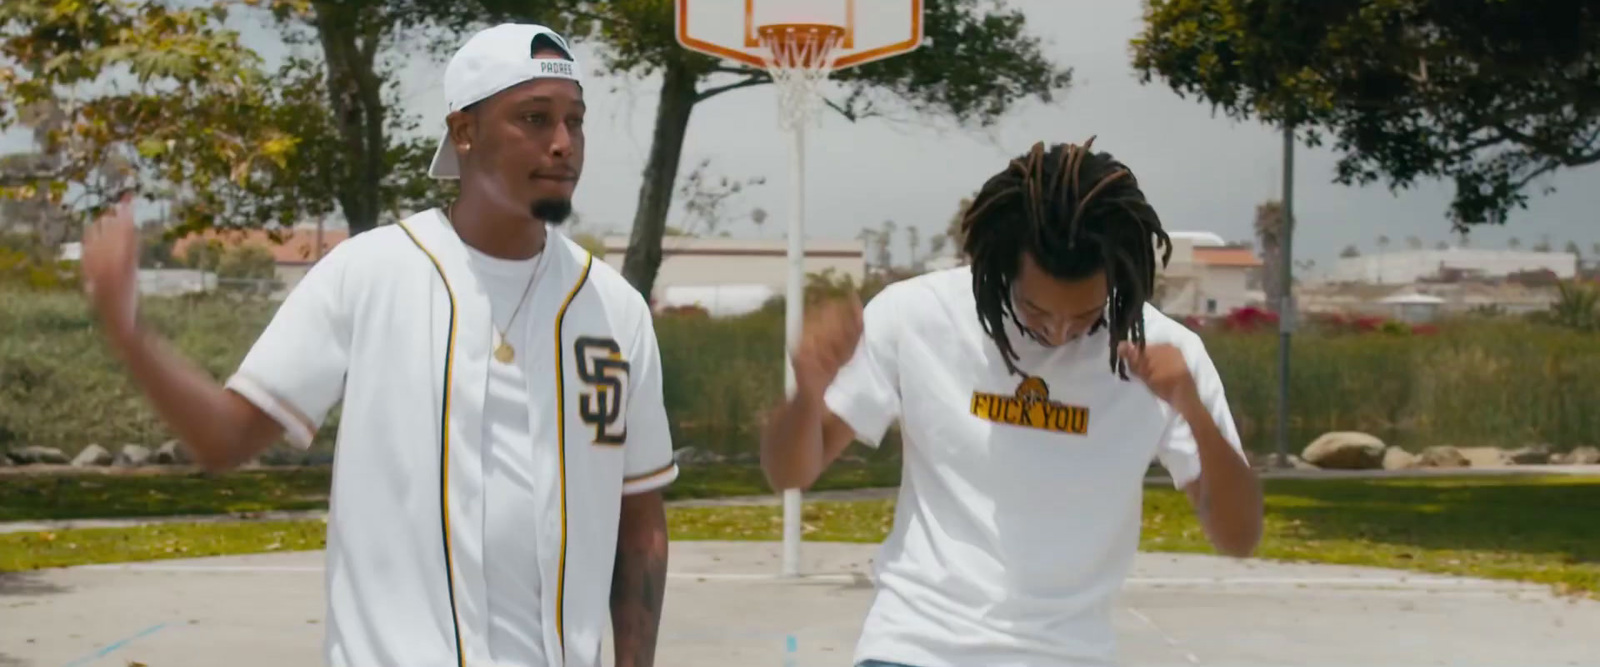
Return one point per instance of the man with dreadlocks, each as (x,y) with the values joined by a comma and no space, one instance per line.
(1019,514)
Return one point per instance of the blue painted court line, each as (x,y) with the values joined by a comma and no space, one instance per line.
(113,646)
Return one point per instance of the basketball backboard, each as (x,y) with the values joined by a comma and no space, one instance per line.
(727,29)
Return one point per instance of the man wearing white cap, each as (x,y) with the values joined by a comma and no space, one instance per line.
(503,442)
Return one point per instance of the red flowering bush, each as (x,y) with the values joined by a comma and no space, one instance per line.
(1250,319)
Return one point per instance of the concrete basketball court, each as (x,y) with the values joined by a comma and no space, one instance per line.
(725,608)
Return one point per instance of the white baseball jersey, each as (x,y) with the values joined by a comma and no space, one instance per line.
(396,323)
(1019,509)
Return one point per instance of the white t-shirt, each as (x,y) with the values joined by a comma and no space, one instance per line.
(1009,541)
(510,555)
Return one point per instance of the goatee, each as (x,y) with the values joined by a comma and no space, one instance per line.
(553,211)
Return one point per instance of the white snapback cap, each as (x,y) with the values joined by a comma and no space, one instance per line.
(491,61)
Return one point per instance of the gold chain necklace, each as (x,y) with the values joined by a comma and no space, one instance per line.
(503,351)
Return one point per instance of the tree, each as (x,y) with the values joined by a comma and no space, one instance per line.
(976,63)
(1349,252)
(1441,246)
(1488,93)
(375,164)
(952,229)
(1269,234)
(1543,245)
(141,89)
(705,200)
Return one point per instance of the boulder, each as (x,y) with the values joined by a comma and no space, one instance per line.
(172,452)
(1486,457)
(1532,455)
(133,456)
(1298,463)
(93,455)
(1395,458)
(1443,456)
(1345,450)
(1581,456)
(36,455)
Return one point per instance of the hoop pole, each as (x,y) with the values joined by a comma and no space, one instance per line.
(794,304)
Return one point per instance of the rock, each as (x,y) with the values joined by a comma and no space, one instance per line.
(93,455)
(172,452)
(1582,456)
(1486,457)
(5,460)
(1298,463)
(1443,456)
(1395,458)
(133,456)
(1532,455)
(277,457)
(39,455)
(1345,450)
(691,455)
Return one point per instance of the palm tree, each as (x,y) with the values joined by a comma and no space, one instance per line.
(1383,243)
(1269,232)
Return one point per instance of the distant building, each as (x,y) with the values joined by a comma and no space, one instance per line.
(292,254)
(729,276)
(1410,266)
(1207,276)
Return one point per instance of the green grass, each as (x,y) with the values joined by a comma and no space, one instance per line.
(27,497)
(86,546)
(1529,529)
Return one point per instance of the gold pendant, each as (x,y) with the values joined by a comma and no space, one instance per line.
(504,353)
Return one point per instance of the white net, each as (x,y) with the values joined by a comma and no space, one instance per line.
(801,59)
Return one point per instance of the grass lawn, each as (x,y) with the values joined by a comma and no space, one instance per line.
(1531,529)
(78,495)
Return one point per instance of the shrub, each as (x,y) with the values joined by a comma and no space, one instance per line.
(1470,382)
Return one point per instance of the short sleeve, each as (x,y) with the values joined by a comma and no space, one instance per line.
(1179,453)
(295,371)
(647,452)
(866,393)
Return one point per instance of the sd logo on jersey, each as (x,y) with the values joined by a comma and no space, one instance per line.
(602,368)
(1030,407)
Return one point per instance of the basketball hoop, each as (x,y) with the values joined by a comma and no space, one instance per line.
(799,43)
(800,56)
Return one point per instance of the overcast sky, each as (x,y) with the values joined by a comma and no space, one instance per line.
(1201,172)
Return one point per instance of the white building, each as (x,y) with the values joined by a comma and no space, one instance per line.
(729,276)
(1206,276)
(1406,267)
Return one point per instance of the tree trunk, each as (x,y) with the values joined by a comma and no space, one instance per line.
(678,97)
(350,34)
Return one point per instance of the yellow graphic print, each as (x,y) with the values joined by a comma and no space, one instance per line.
(1030,407)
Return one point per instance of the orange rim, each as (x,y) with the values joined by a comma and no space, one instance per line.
(807,42)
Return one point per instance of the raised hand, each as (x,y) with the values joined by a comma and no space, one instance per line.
(110,265)
(827,341)
(1163,369)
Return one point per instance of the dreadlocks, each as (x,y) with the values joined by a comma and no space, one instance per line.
(1076,213)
